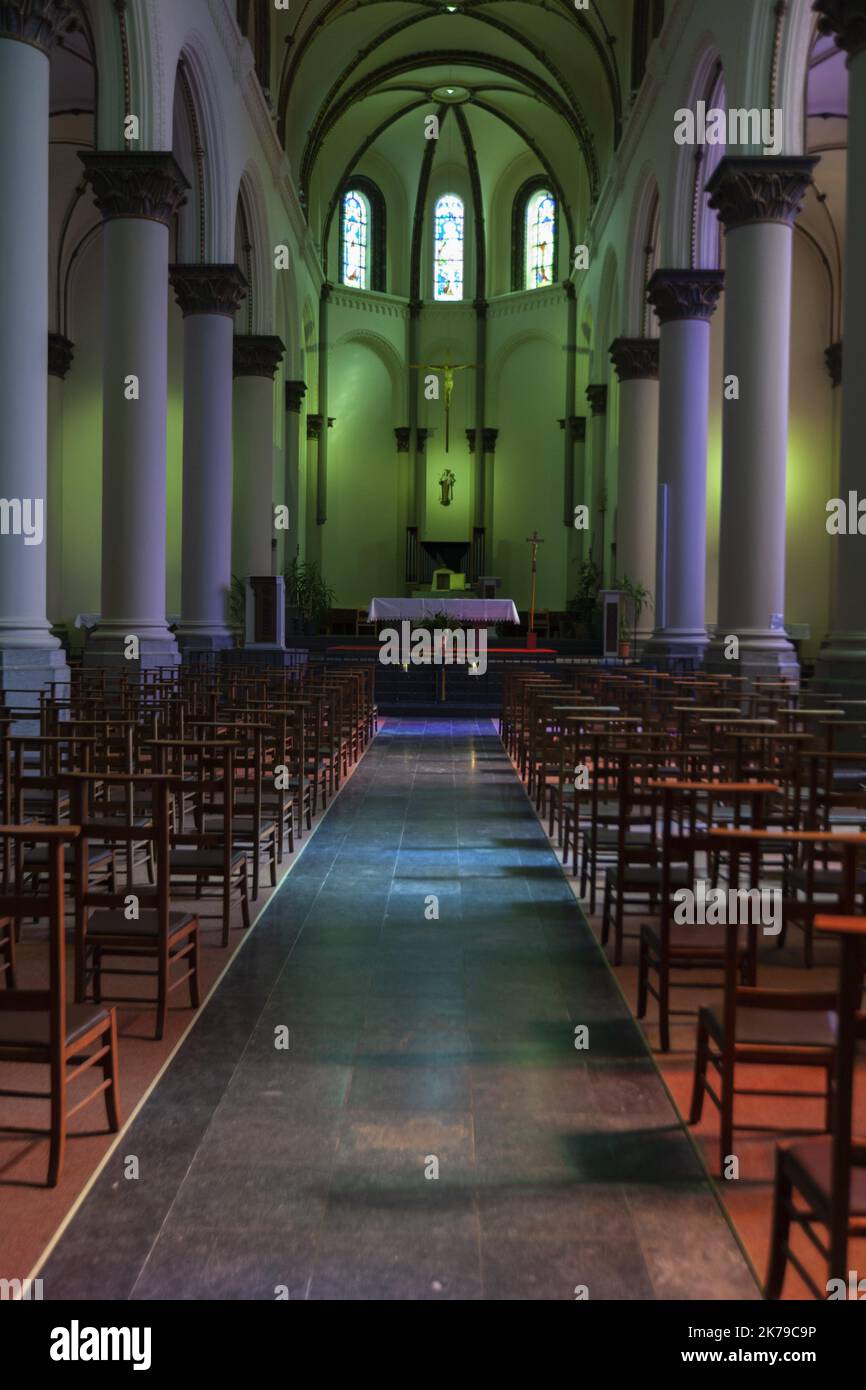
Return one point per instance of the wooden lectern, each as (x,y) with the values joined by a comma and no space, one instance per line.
(265,612)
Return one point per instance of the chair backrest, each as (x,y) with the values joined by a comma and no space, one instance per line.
(50,903)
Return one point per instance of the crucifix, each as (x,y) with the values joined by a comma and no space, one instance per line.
(535,541)
(447,370)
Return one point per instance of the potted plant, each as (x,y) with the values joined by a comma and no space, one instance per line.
(308,597)
(639,598)
(584,607)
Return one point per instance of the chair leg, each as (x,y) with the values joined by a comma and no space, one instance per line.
(664,1009)
(781,1230)
(245,902)
(702,1049)
(194,993)
(111,1074)
(642,979)
(58,1119)
(161,994)
(605,913)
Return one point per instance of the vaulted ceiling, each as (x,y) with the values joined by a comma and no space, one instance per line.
(534,84)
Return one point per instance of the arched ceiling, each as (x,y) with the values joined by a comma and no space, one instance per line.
(356,80)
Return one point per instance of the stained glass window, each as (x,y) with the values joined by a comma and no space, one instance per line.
(356,240)
(448,248)
(540,239)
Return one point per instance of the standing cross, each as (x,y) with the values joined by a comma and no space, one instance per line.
(535,541)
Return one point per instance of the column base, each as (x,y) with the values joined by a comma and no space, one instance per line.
(107,645)
(760,654)
(841,665)
(670,648)
(25,671)
(204,637)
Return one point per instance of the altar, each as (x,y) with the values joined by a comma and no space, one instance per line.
(477,611)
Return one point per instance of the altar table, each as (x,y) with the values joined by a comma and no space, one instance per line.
(466,610)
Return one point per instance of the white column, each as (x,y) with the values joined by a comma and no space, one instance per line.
(30,656)
(295,392)
(637,365)
(137,193)
(684,301)
(757,199)
(597,397)
(256,359)
(844,655)
(209,296)
(60,354)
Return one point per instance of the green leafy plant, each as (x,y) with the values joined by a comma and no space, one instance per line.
(584,606)
(237,602)
(639,598)
(307,591)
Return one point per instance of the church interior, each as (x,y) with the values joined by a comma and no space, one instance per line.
(433,651)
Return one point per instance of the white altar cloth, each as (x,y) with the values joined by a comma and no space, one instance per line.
(468,610)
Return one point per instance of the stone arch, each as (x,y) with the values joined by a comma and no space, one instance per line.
(644,231)
(678,199)
(254,252)
(389,356)
(210,204)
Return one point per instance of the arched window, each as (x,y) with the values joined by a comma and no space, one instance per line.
(355,240)
(540,240)
(448,248)
(534,235)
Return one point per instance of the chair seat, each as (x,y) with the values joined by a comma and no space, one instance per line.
(112,923)
(812,1160)
(96,854)
(609,839)
(25,1029)
(776,1027)
(685,938)
(202,860)
(646,876)
(824,880)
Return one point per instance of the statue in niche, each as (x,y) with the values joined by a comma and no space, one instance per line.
(446,488)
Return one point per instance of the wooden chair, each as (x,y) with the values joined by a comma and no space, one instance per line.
(103,929)
(776,1027)
(39,1026)
(667,947)
(827,1175)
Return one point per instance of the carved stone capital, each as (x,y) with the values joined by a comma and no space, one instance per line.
(846,19)
(597,397)
(685,294)
(314,427)
(135,183)
(421,439)
(60,354)
(38,22)
(576,425)
(833,358)
(402,434)
(745,190)
(208,289)
(635,359)
(257,354)
(489,438)
(295,392)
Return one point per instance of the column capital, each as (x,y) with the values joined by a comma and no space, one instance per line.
(833,359)
(257,354)
(208,289)
(846,20)
(60,354)
(489,438)
(37,22)
(314,426)
(421,439)
(402,435)
(635,359)
(685,294)
(747,189)
(576,425)
(295,392)
(135,183)
(597,397)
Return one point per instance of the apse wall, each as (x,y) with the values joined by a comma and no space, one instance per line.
(359,540)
